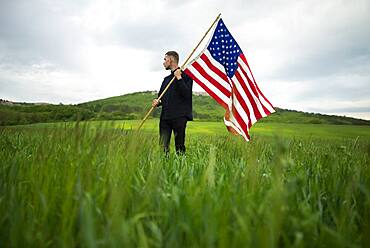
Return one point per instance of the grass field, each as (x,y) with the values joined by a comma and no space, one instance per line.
(99,184)
(285,130)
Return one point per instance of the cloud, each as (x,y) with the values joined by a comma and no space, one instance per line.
(43,34)
(304,54)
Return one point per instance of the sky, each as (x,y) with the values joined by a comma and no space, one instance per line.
(311,55)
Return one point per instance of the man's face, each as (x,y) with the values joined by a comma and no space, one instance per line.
(167,62)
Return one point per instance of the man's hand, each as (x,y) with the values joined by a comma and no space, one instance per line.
(155,102)
(177,74)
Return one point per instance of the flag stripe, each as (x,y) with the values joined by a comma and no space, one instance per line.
(240,121)
(263,110)
(209,85)
(244,106)
(263,98)
(210,70)
(244,70)
(214,66)
(246,73)
(254,109)
(210,79)
(210,90)
(246,124)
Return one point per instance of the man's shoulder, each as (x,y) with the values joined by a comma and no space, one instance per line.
(168,77)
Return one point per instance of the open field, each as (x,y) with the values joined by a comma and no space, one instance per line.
(218,128)
(98,184)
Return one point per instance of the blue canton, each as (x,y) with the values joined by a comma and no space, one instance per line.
(224,49)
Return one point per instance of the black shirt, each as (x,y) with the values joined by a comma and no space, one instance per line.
(177,101)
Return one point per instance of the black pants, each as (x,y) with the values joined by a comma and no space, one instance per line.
(178,126)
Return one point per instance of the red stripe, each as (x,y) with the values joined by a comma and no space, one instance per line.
(259,91)
(250,98)
(252,86)
(210,92)
(210,79)
(214,68)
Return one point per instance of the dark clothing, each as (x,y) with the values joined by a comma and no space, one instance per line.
(176,111)
(177,101)
(178,126)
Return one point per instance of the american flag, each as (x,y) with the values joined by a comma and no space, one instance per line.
(222,70)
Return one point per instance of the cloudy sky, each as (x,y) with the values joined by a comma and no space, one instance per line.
(306,55)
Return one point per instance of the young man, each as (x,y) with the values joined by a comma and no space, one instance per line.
(176,104)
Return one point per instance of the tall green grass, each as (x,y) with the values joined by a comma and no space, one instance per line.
(108,187)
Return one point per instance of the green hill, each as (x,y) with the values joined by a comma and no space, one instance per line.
(135,105)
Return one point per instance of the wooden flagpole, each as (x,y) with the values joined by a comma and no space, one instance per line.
(184,64)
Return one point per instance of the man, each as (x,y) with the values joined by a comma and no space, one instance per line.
(176,104)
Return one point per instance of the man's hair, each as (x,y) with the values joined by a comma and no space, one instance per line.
(174,55)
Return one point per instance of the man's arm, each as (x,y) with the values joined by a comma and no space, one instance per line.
(156,102)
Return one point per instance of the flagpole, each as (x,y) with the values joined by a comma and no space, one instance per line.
(184,64)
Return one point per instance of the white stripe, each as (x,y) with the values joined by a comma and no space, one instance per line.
(212,74)
(249,74)
(210,86)
(255,98)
